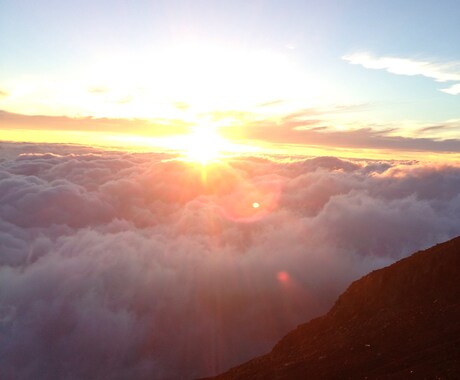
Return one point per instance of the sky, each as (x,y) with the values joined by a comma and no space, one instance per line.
(360,77)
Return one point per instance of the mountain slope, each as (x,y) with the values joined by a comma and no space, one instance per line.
(399,322)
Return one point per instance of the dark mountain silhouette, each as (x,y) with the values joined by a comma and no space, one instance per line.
(399,322)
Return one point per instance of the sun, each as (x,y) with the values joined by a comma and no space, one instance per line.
(205,145)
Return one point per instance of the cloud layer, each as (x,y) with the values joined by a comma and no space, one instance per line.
(119,265)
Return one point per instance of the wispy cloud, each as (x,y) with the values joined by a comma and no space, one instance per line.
(98,90)
(439,71)
(450,129)
(155,127)
(318,127)
(433,128)
(306,127)
(453,90)
(362,138)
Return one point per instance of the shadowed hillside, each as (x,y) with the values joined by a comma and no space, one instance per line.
(399,322)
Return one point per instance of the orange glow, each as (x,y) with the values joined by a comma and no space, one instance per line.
(204,145)
(146,143)
(283,276)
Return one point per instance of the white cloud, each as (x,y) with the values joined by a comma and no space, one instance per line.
(120,265)
(453,90)
(440,72)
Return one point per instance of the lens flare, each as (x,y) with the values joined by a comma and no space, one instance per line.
(283,276)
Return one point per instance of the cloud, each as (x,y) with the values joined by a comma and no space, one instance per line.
(304,127)
(317,127)
(432,128)
(440,72)
(98,90)
(453,90)
(313,133)
(124,265)
(448,129)
(272,103)
(156,127)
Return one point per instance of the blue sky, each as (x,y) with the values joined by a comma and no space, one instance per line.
(391,58)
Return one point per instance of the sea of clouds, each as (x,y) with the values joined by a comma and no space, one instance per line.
(118,265)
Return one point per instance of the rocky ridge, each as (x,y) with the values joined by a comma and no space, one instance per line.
(399,322)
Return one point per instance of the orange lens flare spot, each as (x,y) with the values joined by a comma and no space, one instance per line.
(283,276)
(240,204)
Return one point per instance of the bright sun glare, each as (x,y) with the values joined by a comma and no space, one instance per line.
(204,145)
